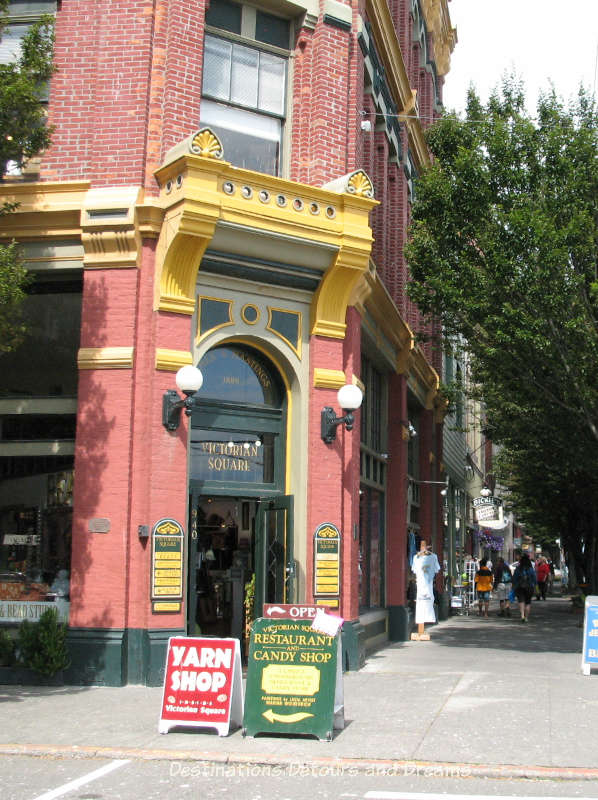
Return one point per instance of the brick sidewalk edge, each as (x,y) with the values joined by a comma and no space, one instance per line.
(323,765)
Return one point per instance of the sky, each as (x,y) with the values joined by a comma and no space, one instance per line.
(542,40)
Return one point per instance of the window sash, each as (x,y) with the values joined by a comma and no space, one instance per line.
(244,76)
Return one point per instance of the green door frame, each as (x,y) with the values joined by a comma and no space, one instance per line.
(274,580)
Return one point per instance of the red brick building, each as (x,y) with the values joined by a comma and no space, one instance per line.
(228,187)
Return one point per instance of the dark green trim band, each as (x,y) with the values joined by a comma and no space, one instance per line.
(253,269)
(353,646)
(118,656)
(337,23)
(399,623)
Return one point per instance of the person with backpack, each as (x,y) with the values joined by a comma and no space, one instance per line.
(483,585)
(524,584)
(502,586)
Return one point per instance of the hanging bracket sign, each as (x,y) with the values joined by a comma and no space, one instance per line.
(327,564)
(203,686)
(167,566)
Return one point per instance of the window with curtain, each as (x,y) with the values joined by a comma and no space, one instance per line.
(244,83)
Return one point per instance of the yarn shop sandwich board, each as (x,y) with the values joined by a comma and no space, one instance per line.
(203,686)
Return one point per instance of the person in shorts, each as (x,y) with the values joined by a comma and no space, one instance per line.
(502,586)
(483,585)
(524,584)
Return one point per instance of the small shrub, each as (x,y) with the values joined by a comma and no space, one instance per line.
(42,645)
(7,649)
(26,642)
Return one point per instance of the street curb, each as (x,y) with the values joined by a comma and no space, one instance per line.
(324,765)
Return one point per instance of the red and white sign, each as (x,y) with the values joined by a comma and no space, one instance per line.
(291,611)
(202,684)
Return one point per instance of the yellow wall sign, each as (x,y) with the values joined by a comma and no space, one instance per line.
(167,565)
(327,561)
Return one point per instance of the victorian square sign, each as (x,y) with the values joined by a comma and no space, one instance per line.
(294,680)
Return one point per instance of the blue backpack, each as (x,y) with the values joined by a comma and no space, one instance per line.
(525,580)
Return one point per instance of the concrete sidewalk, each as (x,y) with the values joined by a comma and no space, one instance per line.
(493,695)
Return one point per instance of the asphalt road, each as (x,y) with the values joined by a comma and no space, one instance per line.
(31,778)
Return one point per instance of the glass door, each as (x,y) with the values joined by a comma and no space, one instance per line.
(274,563)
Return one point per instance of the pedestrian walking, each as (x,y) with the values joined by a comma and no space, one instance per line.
(483,584)
(503,583)
(524,584)
(542,576)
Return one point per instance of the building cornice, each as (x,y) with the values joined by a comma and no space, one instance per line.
(43,210)
(438,22)
(390,53)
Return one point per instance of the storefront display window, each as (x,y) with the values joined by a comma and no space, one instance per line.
(371,549)
(35,548)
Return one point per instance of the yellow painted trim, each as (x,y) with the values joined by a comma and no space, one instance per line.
(357,382)
(329,378)
(45,210)
(424,377)
(389,50)
(200,337)
(329,306)
(438,22)
(381,308)
(210,191)
(299,315)
(105,357)
(257,346)
(110,233)
(172,360)
(258,311)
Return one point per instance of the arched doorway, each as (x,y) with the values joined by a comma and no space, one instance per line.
(240,523)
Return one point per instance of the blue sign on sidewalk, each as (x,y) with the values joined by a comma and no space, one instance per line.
(589,655)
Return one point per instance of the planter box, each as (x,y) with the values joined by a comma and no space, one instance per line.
(22,676)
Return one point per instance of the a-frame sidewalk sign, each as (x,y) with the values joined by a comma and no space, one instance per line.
(589,653)
(294,679)
(203,686)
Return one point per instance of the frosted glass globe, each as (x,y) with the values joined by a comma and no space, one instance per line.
(189,378)
(349,397)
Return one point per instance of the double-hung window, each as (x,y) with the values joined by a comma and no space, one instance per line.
(244,83)
(20,16)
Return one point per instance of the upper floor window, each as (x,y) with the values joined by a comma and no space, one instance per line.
(244,83)
(20,17)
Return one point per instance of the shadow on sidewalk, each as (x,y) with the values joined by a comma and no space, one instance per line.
(17,694)
(552,629)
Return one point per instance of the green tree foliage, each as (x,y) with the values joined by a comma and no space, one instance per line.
(23,84)
(504,250)
(23,134)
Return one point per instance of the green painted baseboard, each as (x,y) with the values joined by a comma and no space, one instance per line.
(117,656)
(353,645)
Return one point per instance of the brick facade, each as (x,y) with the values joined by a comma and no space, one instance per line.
(127,89)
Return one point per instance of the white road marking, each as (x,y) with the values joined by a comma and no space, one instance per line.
(91,776)
(440,796)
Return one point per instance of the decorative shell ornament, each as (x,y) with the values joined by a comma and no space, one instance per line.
(360,184)
(205,143)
